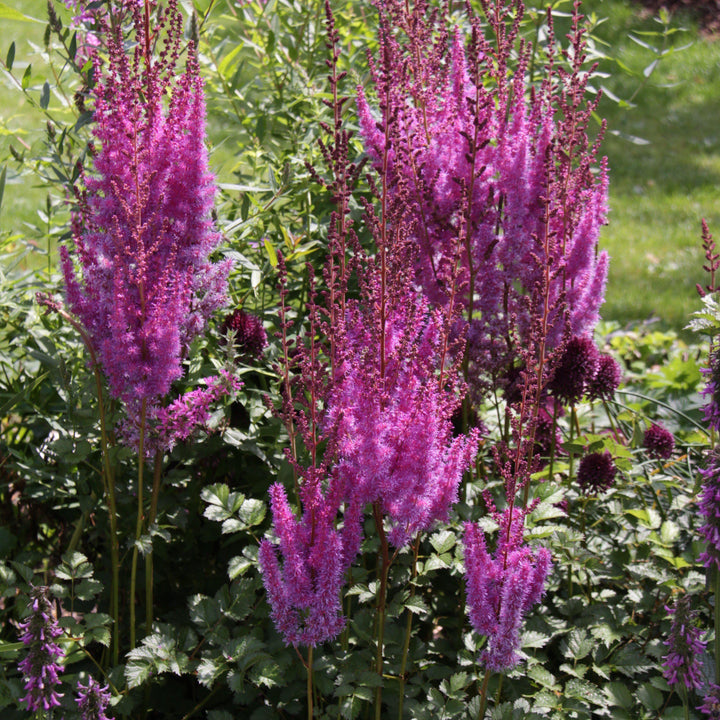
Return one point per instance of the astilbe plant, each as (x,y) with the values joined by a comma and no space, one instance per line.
(139,277)
(500,177)
(138,274)
(502,587)
(368,394)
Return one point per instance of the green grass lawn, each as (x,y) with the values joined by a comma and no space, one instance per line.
(662,182)
(660,189)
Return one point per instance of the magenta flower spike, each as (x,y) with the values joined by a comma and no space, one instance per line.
(138,274)
(485,167)
(304,590)
(392,430)
(41,667)
(501,588)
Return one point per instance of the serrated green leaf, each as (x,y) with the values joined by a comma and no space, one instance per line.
(237,566)
(544,677)
(209,670)
(584,690)
(650,697)
(252,512)
(618,694)
(443,541)
(416,605)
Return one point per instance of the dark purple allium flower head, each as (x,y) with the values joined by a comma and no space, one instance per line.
(575,371)
(138,274)
(40,668)
(92,700)
(681,666)
(711,703)
(659,442)
(502,588)
(249,336)
(606,380)
(596,472)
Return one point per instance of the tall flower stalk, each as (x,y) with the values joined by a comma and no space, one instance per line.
(137,274)
(374,385)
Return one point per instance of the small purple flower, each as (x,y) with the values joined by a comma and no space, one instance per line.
(681,665)
(575,371)
(709,507)
(596,472)
(40,667)
(711,703)
(606,380)
(93,699)
(659,442)
(249,336)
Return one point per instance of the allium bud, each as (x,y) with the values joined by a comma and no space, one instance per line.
(659,442)
(606,380)
(93,699)
(41,668)
(596,473)
(575,371)
(681,666)
(249,336)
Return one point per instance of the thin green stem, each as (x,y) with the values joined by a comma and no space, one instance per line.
(108,476)
(139,522)
(483,695)
(408,630)
(310,683)
(381,599)
(157,476)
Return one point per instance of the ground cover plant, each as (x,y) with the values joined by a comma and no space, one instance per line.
(342,435)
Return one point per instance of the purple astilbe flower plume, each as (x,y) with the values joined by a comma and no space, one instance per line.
(92,700)
(502,184)
(681,666)
(659,442)
(190,412)
(606,380)
(304,591)
(138,276)
(596,472)
(502,587)
(393,424)
(40,667)
(575,371)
